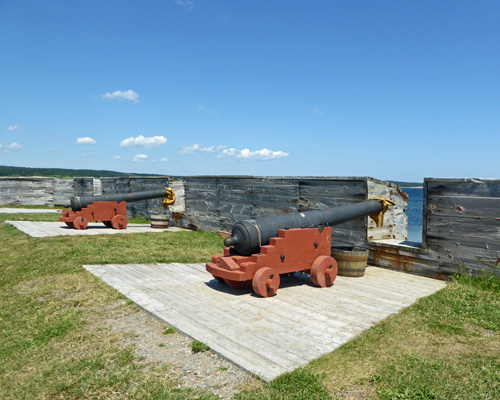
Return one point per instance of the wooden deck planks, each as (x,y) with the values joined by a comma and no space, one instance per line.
(50,229)
(5,210)
(185,300)
(265,336)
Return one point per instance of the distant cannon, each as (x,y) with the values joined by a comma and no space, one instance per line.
(111,209)
(266,247)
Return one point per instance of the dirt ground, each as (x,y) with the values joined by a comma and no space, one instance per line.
(204,370)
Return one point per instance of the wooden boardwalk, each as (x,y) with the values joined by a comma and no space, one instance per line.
(5,210)
(49,229)
(266,336)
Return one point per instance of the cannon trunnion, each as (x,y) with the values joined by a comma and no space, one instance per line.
(110,209)
(261,250)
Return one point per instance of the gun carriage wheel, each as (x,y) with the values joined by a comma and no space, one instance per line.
(266,282)
(80,223)
(119,222)
(324,271)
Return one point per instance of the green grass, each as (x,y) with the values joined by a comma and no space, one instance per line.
(54,341)
(197,346)
(35,207)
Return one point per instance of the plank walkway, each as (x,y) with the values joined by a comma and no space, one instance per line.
(49,229)
(5,210)
(270,336)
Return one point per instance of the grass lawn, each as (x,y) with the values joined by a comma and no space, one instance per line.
(52,344)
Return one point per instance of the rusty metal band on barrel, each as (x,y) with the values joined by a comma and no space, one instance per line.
(258,233)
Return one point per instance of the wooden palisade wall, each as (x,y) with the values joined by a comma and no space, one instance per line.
(461,216)
(461,231)
(215,203)
(462,222)
(35,191)
(142,208)
(58,192)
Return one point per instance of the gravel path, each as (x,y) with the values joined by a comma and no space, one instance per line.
(203,370)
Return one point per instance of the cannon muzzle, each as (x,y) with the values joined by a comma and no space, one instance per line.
(79,202)
(249,235)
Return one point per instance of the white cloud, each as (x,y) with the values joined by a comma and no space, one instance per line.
(15,128)
(232,152)
(187,4)
(163,159)
(316,111)
(204,109)
(85,140)
(12,146)
(127,95)
(117,157)
(140,157)
(141,141)
(197,148)
(264,154)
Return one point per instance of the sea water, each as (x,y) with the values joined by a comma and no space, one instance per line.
(415,213)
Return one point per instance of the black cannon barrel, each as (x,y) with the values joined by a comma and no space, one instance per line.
(77,202)
(247,236)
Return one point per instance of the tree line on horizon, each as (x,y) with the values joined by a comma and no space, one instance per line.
(61,173)
(67,173)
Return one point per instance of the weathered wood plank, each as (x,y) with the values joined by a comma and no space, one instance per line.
(473,207)
(206,222)
(63,190)
(184,300)
(322,202)
(346,237)
(319,194)
(450,227)
(26,191)
(440,242)
(395,219)
(84,186)
(264,336)
(180,200)
(429,268)
(463,187)
(377,188)
(338,186)
(143,208)
(436,262)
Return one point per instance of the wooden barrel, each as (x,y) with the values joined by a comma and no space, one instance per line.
(351,261)
(160,221)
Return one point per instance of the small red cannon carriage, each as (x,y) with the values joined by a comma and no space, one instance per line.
(111,209)
(261,250)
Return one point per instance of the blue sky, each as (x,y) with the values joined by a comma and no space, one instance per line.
(396,90)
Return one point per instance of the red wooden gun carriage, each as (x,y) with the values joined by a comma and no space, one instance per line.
(261,250)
